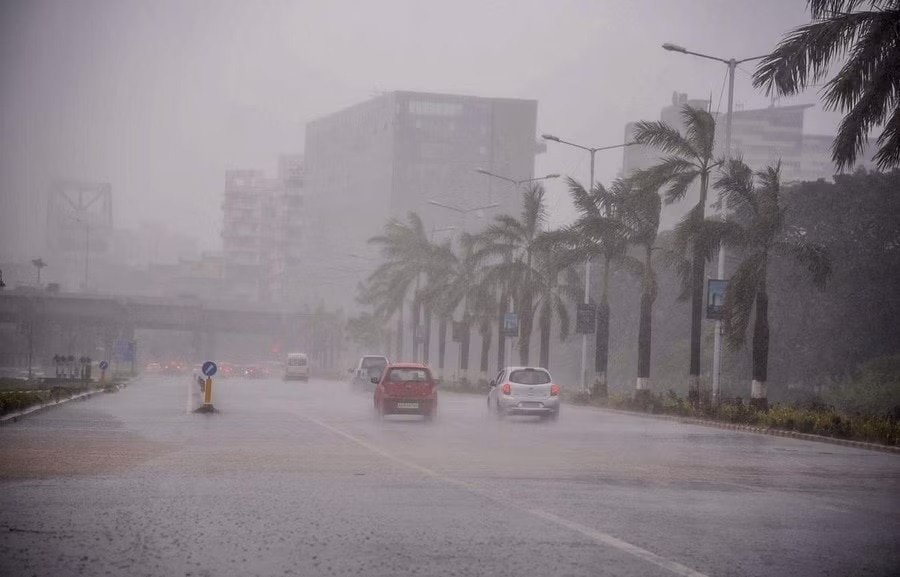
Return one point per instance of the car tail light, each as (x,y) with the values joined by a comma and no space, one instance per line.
(507,390)
(554,390)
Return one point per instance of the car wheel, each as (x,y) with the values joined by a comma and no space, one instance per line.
(499,412)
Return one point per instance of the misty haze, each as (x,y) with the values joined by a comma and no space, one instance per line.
(296,287)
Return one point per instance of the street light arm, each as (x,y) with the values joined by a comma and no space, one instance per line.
(707,56)
(489,173)
(485,207)
(741,61)
(561,141)
(447,206)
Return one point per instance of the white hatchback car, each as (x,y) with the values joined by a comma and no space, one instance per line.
(524,391)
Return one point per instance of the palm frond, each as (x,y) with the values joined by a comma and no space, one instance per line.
(682,266)
(700,131)
(662,136)
(805,55)
(735,185)
(740,298)
(583,200)
(814,257)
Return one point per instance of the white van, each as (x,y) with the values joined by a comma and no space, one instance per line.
(296,367)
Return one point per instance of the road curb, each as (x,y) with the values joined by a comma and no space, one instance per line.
(757,430)
(14,417)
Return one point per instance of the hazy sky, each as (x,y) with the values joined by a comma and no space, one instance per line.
(160,97)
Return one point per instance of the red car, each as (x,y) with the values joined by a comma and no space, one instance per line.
(406,389)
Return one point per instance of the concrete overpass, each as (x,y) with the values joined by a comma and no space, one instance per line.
(69,322)
(192,315)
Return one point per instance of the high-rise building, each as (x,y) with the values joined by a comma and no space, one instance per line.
(399,153)
(286,270)
(262,232)
(761,137)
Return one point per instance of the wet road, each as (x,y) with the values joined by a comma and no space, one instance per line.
(301,479)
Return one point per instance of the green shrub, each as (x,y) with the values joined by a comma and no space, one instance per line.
(874,389)
(11,402)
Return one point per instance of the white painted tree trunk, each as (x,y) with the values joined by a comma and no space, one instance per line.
(758,390)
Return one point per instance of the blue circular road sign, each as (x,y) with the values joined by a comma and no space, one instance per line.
(104,365)
(209,368)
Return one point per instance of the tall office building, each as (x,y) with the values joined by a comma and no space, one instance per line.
(395,154)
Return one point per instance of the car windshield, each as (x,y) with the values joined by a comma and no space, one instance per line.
(529,377)
(408,375)
(373,363)
(297,362)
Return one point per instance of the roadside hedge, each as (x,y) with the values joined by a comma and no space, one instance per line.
(815,420)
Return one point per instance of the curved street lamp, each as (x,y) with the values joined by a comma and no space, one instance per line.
(593,150)
(732,64)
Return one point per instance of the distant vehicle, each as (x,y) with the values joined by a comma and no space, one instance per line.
(153,369)
(406,389)
(296,367)
(174,368)
(255,371)
(524,391)
(227,370)
(369,366)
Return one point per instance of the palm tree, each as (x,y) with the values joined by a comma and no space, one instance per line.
(508,248)
(553,297)
(407,252)
(38,263)
(688,157)
(595,234)
(386,294)
(866,88)
(638,210)
(440,294)
(755,225)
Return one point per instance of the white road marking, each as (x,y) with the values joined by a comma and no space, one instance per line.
(594,535)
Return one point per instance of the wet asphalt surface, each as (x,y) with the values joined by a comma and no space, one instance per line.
(301,479)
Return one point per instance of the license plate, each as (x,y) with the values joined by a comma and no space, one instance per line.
(407,405)
(530,405)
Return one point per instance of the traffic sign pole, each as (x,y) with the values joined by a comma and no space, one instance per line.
(209,369)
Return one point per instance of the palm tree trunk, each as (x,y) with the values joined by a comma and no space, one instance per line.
(601,349)
(399,333)
(442,343)
(501,337)
(426,338)
(545,340)
(414,327)
(645,330)
(464,348)
(697,273)
(485,345)
(759,397)
(527,322)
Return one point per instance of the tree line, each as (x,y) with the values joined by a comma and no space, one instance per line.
(516,265)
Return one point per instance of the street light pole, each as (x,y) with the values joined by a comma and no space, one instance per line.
(732,64)
(587,265)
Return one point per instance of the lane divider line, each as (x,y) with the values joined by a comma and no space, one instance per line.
(592,534)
